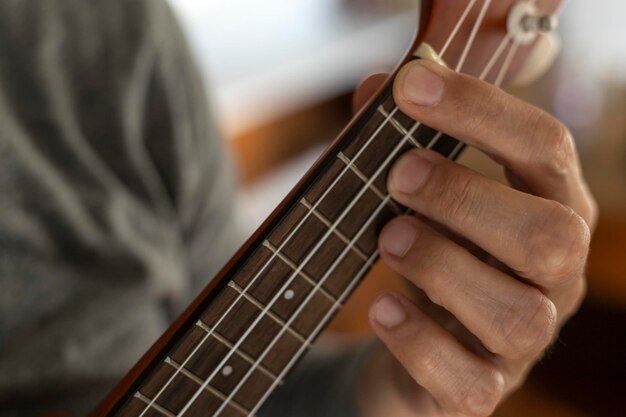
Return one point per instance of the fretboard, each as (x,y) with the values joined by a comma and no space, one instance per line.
(276,299)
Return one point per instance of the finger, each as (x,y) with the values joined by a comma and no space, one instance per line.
(367,89)
(539,239)
(510,318)
(461,382)
(536,147)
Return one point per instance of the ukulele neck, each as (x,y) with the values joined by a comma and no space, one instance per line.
(269,307)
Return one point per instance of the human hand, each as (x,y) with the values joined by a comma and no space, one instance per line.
(506,301)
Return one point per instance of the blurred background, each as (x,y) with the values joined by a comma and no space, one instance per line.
(281,74)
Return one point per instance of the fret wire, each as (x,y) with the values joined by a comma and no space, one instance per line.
(291,234)
(152,404)
(401,129)
(435,140)
(335,306)
(301,338)
(457,149)
(395,123)
(246,358)
(307,205)
(430,145)
(214,391)
(343,158)
(291,264)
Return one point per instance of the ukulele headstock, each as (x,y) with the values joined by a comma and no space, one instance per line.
(494,40)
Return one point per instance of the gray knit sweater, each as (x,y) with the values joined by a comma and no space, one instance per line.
(115,204)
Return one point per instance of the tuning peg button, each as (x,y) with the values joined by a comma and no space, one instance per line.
(525,22)
(540,24)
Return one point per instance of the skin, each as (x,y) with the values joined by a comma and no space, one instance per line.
(502,266)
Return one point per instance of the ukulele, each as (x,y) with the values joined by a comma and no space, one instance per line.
(237,341)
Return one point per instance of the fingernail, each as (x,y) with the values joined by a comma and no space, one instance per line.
(388,311)
(422,86)
(410,173)
(398,237)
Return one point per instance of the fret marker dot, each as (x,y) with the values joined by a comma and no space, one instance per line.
(227,370)
(289,294)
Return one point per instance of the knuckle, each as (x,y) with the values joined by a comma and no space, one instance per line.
(432,363)
(438,266)
(459,199)
(484,104)
(480,398)
(574,300)
(559,245)
(587,208)
(590,211)
(579,234)
(556,152)
(433,265)
(530,325)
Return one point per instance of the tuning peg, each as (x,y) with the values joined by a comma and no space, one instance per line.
(540,24)
(525,22)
